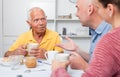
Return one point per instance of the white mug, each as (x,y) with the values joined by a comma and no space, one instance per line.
(50,55)
(62,57)
(30,46)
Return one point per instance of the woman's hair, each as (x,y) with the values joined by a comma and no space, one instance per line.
(114,2)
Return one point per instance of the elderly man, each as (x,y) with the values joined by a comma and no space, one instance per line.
(37,34)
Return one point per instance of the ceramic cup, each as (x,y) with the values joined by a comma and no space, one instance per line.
(50,55)
(30,46)
(62,57)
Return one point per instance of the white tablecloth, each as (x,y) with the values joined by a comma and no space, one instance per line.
(42,70)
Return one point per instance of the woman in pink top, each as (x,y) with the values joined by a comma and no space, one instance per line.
(106,58)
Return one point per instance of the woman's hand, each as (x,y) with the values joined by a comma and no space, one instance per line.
(77,62)
(57,64)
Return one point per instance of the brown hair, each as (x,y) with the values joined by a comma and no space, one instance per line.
(106,2)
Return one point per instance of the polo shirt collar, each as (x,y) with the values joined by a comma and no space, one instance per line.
(99,29)
(47,36)
(31,39)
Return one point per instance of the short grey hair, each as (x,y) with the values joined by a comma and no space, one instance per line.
(29,12)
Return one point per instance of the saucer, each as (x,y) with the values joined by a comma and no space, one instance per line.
(3,63)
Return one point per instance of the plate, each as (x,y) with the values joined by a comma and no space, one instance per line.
(6,63)
(11,60)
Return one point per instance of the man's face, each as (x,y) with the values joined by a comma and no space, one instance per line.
(82,11)
(38,21)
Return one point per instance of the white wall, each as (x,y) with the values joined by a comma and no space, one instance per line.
(15,15)
(0,26)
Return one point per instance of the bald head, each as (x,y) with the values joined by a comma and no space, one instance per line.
(34,10)
(87,13)
(84,1)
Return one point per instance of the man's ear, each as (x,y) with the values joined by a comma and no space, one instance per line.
(90,9)
(29,23)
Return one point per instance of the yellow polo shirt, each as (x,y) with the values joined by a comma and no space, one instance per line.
(48,42)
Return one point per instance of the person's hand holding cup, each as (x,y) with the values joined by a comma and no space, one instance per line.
(38,53)
(30,47)
(61,60)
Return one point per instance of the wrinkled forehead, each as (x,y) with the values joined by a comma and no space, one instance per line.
(36,12)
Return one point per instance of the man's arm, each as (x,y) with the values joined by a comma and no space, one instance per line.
(58,40)
(82,53)
(71,46)
(21,50)
(85,56)
(8,53)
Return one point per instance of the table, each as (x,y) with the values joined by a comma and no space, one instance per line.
(42,70)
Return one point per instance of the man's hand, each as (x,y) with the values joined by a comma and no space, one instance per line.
(38,53)
(77,62)
(70,46)
(21,50)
